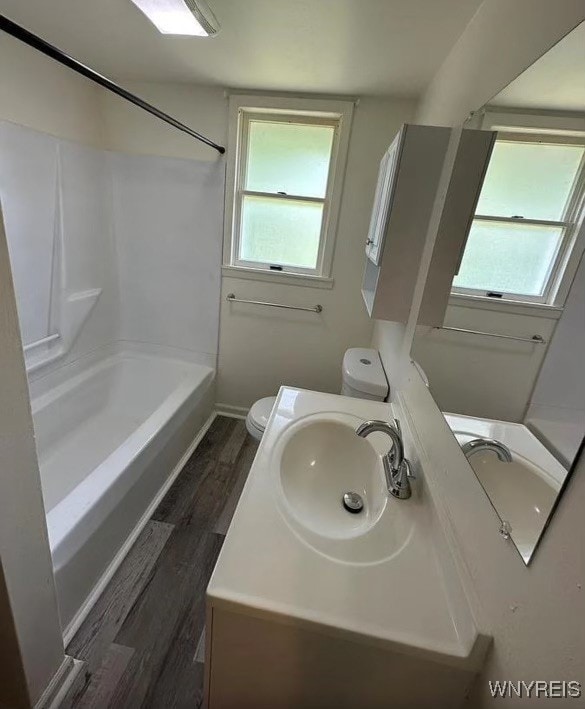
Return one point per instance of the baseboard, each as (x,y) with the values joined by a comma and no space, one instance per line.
(106,577)
(236,412)
(61,684)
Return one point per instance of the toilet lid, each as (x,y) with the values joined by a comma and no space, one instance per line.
(261,410)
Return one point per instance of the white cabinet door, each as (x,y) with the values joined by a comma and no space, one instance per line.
(383,199)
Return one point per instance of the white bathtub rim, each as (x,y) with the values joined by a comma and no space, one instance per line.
(75,623)
(82,370)
(75,510)
(47,379)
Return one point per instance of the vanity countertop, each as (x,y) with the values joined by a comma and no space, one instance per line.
(377,580)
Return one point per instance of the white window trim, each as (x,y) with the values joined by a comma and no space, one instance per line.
(287,106)
(572,246)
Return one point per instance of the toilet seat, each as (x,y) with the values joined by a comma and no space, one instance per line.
(258,416)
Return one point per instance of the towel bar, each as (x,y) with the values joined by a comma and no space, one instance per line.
(312,309)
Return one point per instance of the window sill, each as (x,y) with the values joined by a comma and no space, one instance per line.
(287,279)
(514,307)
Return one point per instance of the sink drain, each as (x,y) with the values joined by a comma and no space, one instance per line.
(353,502)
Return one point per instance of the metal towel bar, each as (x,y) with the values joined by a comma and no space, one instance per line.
(535,339)
(313,309)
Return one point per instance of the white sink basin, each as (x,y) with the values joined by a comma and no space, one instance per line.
(320,461)
(317,459)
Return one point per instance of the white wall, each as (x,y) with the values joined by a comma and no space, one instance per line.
(559,395)
(129,129)
(31,646)
(483,376)
(40,93)
(260,349)
(534,614)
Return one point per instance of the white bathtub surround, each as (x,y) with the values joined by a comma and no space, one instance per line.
(108,433)
(28,175)
(321,571)
(110,247)
(168,222)
(57,198)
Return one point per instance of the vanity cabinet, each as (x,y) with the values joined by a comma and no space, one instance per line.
(262,662)
(407,188)
(312,606)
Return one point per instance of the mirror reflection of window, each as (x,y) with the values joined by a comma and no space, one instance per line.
(526,219)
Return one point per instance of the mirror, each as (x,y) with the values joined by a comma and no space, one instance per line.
(506,367)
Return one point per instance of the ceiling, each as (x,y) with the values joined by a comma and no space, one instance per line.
(322,46)
(555,82)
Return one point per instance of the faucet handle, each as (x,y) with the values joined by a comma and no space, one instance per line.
(408,469)
(401,481)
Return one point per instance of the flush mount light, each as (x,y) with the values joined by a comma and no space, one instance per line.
(188,17)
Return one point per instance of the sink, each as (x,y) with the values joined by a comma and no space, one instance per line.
(294,557)
(315,461)
(321,460)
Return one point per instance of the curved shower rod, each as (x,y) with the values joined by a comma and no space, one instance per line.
(40,45)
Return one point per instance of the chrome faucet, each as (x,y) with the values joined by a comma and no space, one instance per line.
(487,444)
(396,466)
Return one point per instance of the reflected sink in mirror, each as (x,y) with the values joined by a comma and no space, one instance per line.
(317,460)
(522,492)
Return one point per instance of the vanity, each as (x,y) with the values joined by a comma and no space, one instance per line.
(311,604)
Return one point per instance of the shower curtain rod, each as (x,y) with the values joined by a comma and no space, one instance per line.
(40,45)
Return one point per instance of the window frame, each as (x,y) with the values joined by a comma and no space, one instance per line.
(244,109)
(572,244)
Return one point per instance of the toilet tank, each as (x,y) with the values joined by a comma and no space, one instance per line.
(363,376)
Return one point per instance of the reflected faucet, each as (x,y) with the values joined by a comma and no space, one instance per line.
(487,444)
(396,466)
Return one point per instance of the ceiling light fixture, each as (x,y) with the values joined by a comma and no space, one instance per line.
(187,17)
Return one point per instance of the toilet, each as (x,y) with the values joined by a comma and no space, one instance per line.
(362,376)
(258,416)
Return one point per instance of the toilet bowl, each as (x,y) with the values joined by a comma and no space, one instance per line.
(362,376)
(258,416)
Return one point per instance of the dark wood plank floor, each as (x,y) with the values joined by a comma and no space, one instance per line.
(143,642)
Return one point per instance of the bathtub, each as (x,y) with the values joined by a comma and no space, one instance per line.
(111,434)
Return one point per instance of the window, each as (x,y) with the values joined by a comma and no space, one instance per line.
(286,185)
(526,220)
